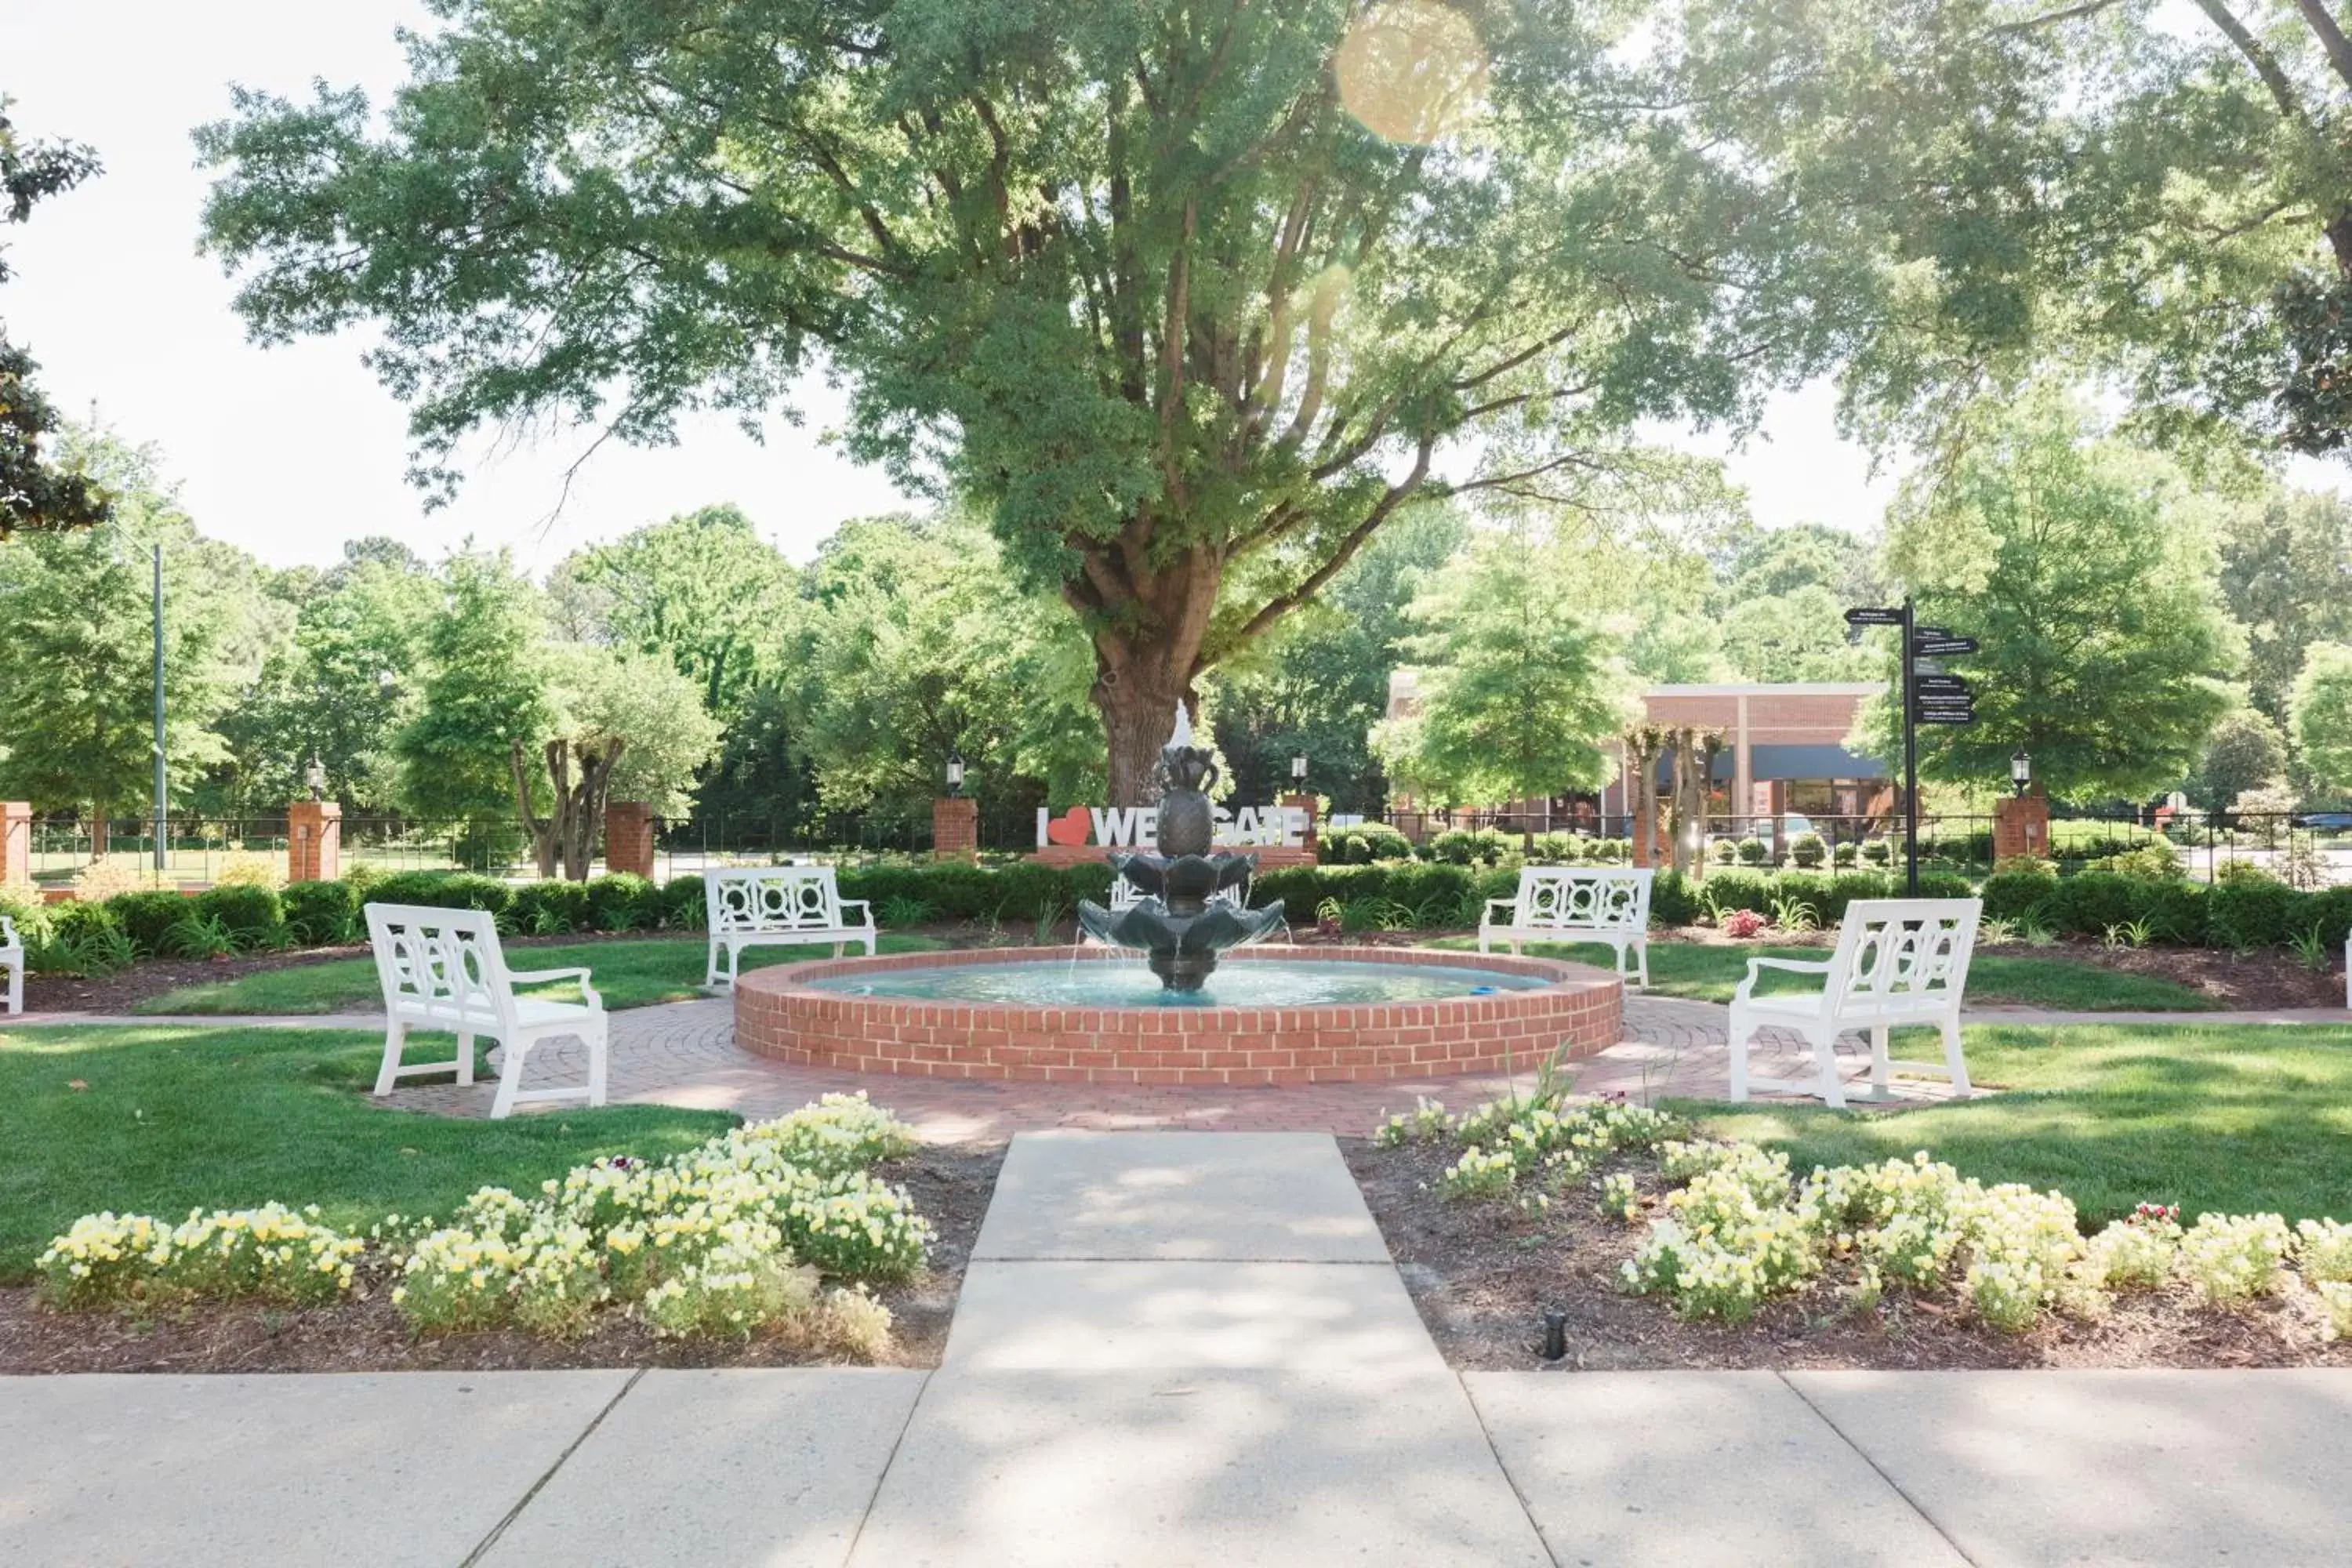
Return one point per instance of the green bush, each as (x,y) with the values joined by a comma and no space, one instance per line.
(1847,886)
(549,908)
(1556,850)
(442,890)
(1939,884)
(147,916)
(2012,895)
(2175,911)
(251,915)
(1460,847)
(2153,862)
(683,903)
(1844,855)
(1672,900)
(322,913)
(1754,852)
(1363,844)
(2330,910)
(1877,852)
(2250,914)
(621,901)
(1807,850)
(1740,887)
(22,905)
(75,919)
(2089,903)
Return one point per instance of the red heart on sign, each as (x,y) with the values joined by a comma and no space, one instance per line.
(1073,826)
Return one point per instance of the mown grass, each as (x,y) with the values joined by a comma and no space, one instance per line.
(630,972)
(1705,972)
(2237,1118)
(158,1119)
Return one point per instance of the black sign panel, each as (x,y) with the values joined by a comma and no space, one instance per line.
(1867,615)
(1946,701)
(1939,647)
(1951,683)
(1947,716)
(1925,633)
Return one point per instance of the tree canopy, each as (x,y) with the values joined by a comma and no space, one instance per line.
(35,493)
(2084,566)
(1190,298)
(2322,705)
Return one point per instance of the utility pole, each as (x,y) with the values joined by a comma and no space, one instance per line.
(161,824)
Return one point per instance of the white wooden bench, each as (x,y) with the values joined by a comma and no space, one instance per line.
(12,964)
(1898,960)
(778,906)
(1609,904)
(443,969)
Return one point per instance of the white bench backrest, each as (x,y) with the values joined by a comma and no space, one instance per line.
(1583,897)
(772,898)
(441,965)
(1905,954)
(8,932)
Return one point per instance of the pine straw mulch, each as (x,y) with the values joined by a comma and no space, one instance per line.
(1484,1273)
(950,1185)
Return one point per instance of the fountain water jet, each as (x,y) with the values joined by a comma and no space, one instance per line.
(1176,924)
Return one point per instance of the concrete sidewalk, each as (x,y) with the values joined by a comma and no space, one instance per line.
(1178,1349)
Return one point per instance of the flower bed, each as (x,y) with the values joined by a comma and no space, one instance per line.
(779,1229)
(1663,1249)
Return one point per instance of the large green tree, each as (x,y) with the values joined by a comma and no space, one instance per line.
(2158,190)
(35,493)
(77,681)
(618,724)
(2322,705)
(2084,567)
(1191,296)
(484,692)
(703,590)
(1521,692)
(2244,753)
(2286,571)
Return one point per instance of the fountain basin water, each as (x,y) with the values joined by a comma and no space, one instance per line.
(1271,1016)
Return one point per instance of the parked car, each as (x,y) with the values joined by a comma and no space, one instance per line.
(2334,821)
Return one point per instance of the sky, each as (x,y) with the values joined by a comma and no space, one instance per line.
(290,451)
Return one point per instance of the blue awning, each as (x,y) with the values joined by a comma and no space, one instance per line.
(1812,762)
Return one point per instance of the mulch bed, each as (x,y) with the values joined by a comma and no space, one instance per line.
(1483,1274)
(950,1185)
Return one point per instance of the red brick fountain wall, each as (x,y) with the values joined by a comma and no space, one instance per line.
(1579,1008)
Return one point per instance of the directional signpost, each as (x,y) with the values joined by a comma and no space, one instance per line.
(1929,697)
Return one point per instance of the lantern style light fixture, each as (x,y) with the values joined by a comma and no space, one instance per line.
(955,772)
(315,777)
(2020,770)
(1298,770)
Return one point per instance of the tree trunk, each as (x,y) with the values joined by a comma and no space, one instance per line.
(583,808)
(1137,716)
(543,830)
(97,836)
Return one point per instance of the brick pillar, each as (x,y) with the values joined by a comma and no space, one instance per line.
(1304,803)
(16,842)
(2021,827)
(629,837)
(314,841)
(955,828)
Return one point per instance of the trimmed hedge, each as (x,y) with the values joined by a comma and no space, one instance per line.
(252,914)
(147,916)
(549,908)
(442,890)
(320,914)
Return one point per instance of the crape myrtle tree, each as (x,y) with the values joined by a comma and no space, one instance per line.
(1190,299)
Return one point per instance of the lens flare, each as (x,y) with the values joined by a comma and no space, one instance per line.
(1413,71)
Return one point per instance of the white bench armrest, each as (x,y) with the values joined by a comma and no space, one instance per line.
(542,977)
(1511,904)
(865,904)
(1755,966)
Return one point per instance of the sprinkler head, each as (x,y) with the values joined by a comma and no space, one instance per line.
(1555,1335)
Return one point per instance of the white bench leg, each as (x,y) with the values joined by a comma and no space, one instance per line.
(1824,1044)
(464,1057)
(395,1041)
(1740,1030)
(15,988)
(711,969)
(1485,943)
(1878,1070)
(596,1040)
(1954,1063)
(1641,956)
(509,1079)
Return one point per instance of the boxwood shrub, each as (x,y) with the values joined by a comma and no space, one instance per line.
(621,900)
(147,916)
(548,907)
(252,914)
(320,914)
(442,890)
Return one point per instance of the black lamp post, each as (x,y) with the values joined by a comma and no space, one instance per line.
(2020,770)
(1297,772)
(955,772)
(315,776)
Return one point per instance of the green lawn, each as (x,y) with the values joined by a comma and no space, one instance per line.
(169,1119)
(1704,971)
(627,973)
(2239,1118)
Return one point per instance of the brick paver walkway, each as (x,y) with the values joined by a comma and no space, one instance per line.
(684,1053)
